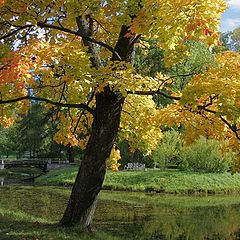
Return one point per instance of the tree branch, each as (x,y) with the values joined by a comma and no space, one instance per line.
(160,92)
(63,29)
(15,31)
(156,92)
(231,127)
(40,99)
(76,33)
(204,108)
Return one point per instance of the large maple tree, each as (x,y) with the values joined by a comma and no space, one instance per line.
(77,57)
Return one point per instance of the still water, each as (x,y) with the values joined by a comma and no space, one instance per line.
(130,215)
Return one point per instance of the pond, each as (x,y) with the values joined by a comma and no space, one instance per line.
(21,176)
(122,215)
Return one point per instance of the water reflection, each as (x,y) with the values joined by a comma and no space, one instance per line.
(171,217)
(14,180)
(135,216)
(1,181)
(17,178)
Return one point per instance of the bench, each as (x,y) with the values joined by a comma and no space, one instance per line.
(135,166)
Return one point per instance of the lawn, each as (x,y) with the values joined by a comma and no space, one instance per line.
(170,181)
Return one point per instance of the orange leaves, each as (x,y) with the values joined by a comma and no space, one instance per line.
(190,27)
(9,70)
(14,74)
(100,89)
(6,121)
(202,28)
(196,24)
(9,122)
(141,23)
(15,65)
(2,3)
(207,31)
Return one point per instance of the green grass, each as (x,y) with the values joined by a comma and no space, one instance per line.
(64,176)
(16,228)
(33,213)
(172,182)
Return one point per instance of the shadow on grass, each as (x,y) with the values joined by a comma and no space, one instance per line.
(11,229)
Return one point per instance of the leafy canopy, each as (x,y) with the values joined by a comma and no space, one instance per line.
(44,57)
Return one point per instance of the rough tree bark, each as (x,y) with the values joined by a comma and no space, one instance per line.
(91,174)
(82,202)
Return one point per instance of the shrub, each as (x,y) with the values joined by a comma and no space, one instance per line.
(167,151)
(205,156)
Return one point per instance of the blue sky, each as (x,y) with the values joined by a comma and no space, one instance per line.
(231,18)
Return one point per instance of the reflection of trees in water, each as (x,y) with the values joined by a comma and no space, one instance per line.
(195,223)
(132,221)
(162,222)
(120,218)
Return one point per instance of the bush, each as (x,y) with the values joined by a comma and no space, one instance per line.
(205,156)
(167,152)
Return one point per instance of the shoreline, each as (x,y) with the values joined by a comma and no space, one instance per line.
(163,182)
(154,181)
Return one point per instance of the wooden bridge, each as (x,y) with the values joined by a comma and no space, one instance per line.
(43,164)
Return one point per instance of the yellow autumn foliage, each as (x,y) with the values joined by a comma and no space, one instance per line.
(44,56)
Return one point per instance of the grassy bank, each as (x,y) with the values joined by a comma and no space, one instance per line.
(171,181)
(31,213)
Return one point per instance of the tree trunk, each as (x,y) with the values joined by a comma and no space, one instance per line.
(70,155)
(105,125)
(136,156)
(91,173)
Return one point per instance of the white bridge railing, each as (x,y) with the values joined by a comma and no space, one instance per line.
(46,163)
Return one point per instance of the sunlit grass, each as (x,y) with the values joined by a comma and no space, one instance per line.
(171,181)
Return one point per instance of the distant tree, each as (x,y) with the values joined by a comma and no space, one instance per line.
(205,155)
(6,145)
(34,134)
(168,150)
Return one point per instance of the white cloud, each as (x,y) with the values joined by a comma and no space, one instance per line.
(229,24)
(234,3)
(231,18)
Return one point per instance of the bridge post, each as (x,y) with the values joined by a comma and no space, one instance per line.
(1,164)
